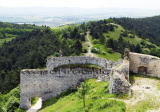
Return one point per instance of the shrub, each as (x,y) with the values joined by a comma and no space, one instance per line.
(95,50)
(95,41)
(103,53)
(109,50)
(108,36)
(73,54)
(84,50)
(94,97)
(132,36)
(146,51)
(56,54)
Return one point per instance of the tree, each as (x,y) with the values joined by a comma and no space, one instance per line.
(1,100)
(65,35)
(120,39)
(111,27)
(83,91)
(102,39)
(138,48)
(110,43)
(77,47)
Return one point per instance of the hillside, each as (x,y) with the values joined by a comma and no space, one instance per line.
(147,28)
(97,100)
(9,31)
(109,40)
(30,48)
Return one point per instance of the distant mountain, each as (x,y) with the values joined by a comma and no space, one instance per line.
(66,11)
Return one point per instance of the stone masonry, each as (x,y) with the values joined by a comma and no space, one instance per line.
(56,79)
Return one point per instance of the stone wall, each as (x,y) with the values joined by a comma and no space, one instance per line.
(119,78)
(51,82)
(144,64)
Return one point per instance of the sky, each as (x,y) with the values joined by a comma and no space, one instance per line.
(139,4)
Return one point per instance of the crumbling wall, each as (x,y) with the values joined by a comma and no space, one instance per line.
(144,64)
(56,79)
(119,78)
(51,82)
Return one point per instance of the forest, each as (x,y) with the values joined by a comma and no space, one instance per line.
(146,28)
(32,44)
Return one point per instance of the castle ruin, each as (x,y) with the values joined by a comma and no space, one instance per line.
(58,78)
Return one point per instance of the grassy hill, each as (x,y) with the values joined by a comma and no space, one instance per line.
(147,28)
(117,40)
(116,33)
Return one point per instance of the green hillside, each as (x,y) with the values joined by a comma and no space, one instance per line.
(5,40)
(9,31)
(109,40)
(97,100)
(33,44)
(146,28)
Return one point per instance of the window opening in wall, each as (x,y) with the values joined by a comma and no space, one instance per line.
(142,70)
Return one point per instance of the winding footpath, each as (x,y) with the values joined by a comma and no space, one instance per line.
(90,47)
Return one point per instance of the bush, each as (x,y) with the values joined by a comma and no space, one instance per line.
(103,53)
(56,54)
(95,50)
(73,54)
(146,51)
(95,41)
(108,36)
(132,36)
(84,51)
(109,50)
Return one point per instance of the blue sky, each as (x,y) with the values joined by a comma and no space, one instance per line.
(140,4)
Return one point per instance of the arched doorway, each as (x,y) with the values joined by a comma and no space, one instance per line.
(142,70)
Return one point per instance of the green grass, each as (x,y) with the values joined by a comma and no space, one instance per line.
(96,101)
(116,33)
(113,57)
(6,39)
(34,101)
(109,56)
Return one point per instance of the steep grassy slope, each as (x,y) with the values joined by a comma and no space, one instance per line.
(147,28)
(131,40)
(116,33)
(96,101)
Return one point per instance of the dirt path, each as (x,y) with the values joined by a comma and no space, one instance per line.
(90,47)
(145,91)
(37,106)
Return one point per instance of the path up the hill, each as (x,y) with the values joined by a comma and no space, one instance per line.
(90,47)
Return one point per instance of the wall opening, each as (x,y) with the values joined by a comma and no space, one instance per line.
(142,70)
(36,103)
